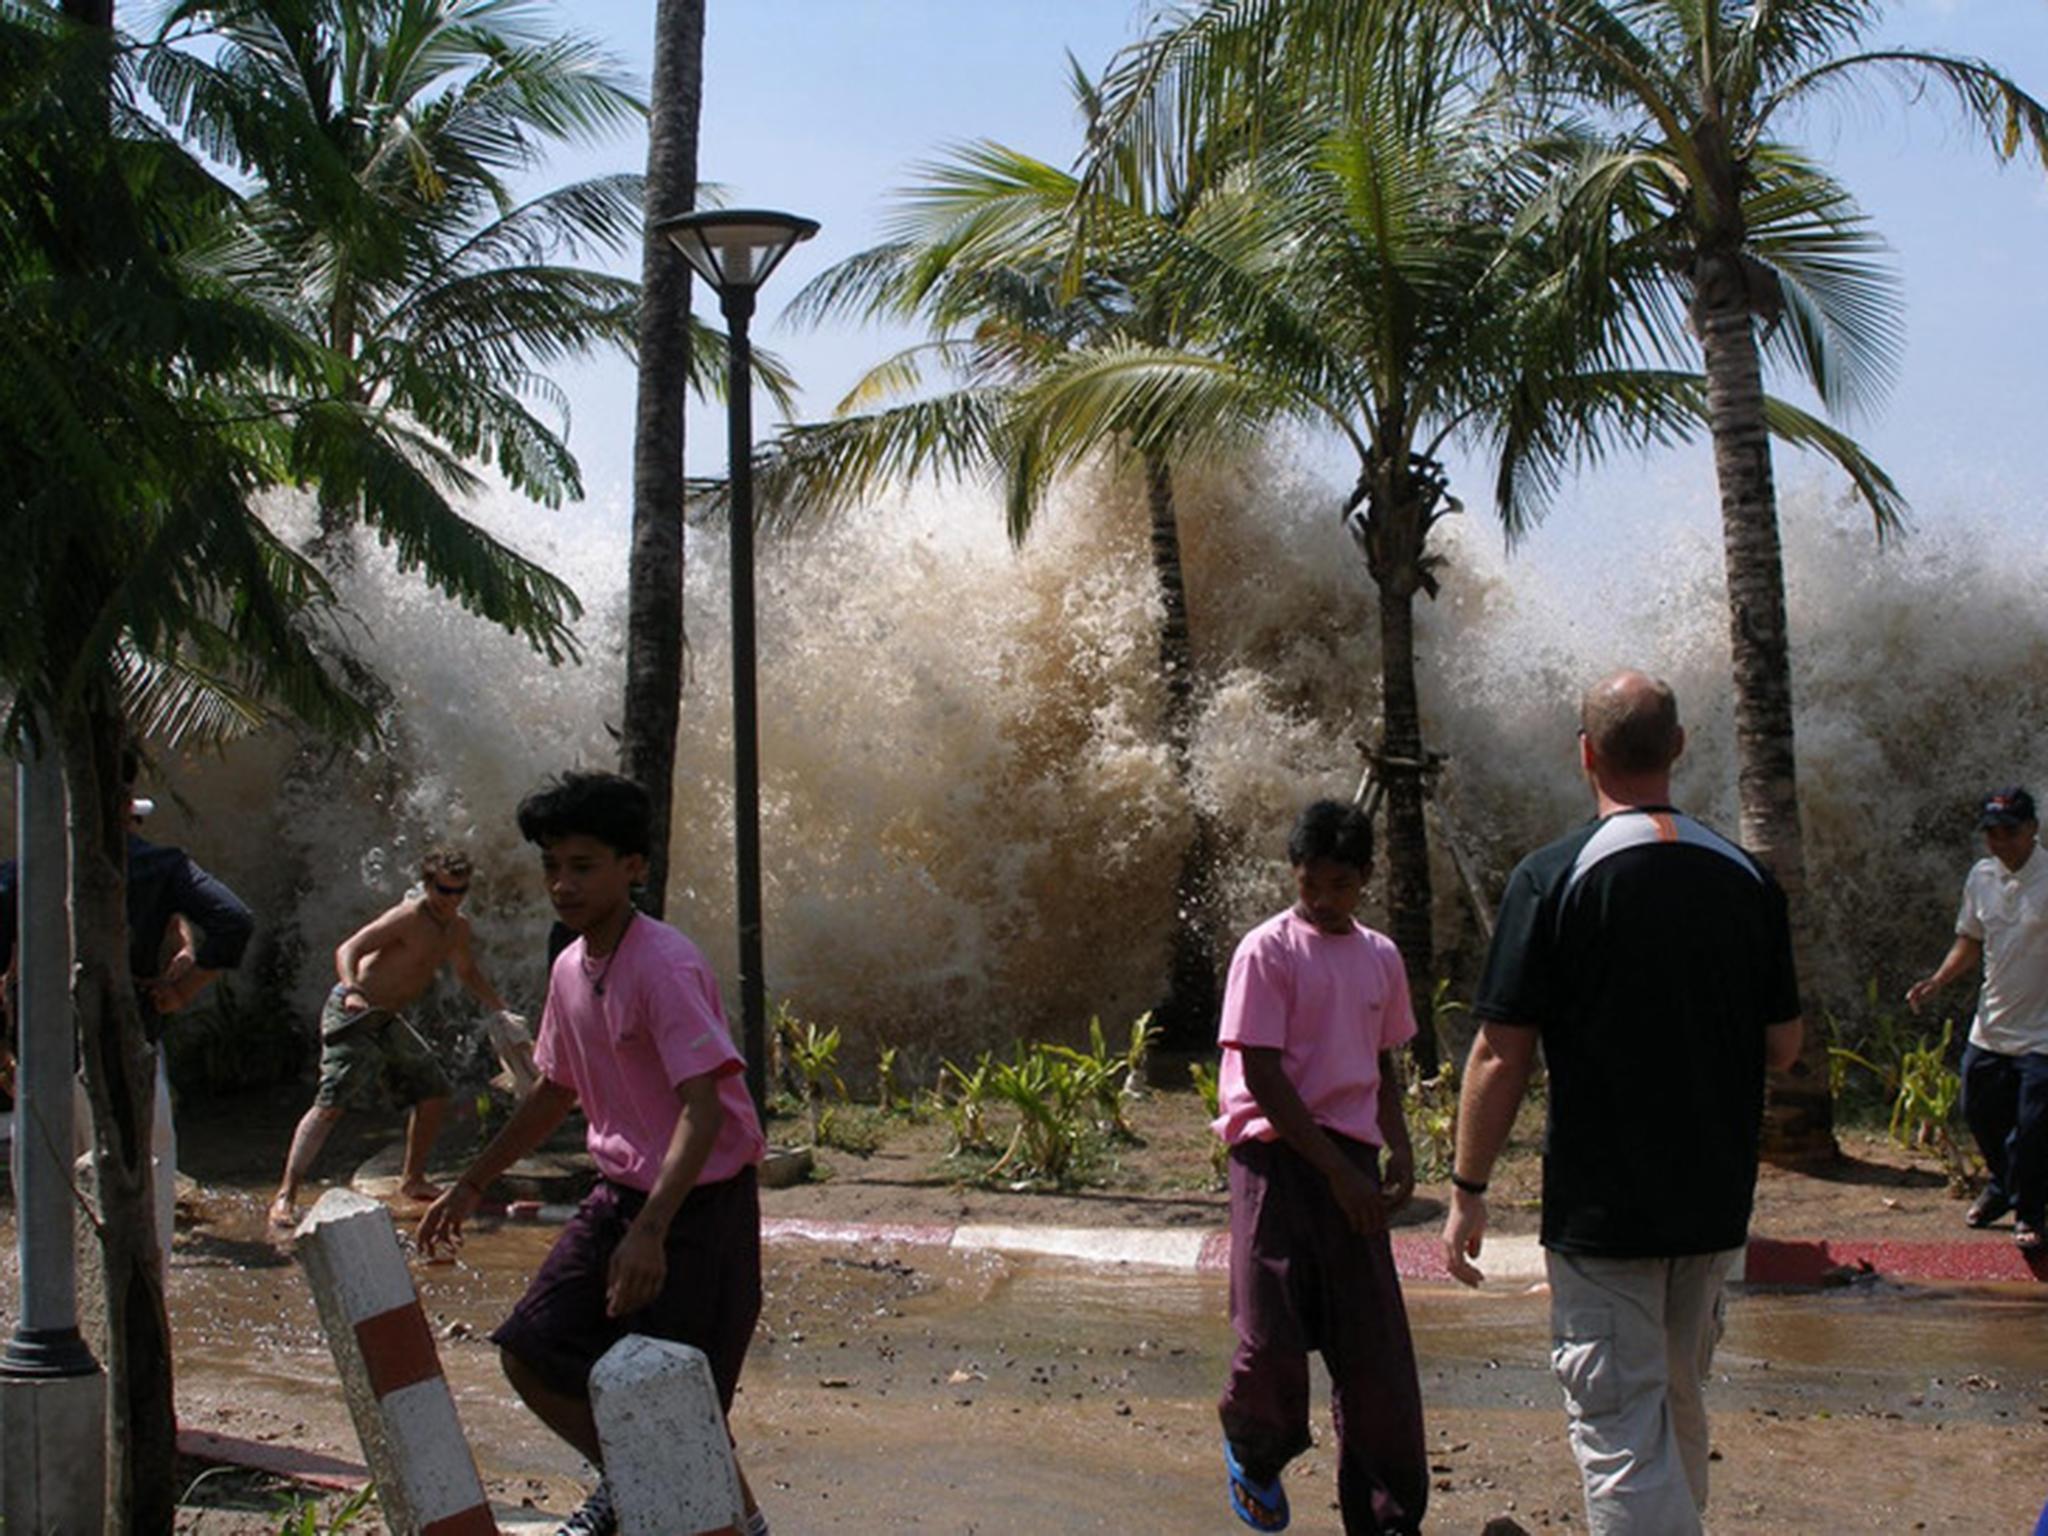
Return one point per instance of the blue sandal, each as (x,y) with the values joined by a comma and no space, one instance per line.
(1262,1506)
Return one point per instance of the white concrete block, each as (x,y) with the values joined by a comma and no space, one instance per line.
(390,1371)
(666,1452)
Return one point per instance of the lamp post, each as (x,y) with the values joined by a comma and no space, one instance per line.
(734,250)
(53,1394)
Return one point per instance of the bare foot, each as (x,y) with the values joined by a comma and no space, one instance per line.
(420,1191)
(284,1212)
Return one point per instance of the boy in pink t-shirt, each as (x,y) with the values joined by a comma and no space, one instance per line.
(668,1243)
(1308,1097)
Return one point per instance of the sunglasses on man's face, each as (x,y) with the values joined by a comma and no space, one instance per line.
(451,890)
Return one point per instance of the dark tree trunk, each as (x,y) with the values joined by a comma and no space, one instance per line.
(1410,897)
(1799,1125)
(654,602)
(1401,497)
(120,1080)
(1186,1016)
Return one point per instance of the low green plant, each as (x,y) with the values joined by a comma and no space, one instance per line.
(1131,1078)
(1054,1090)
(814,1053)
(1878,1043)
(1922,1089)
(1208,1083)
(1432,1113)
(854,1128)
(302,1516)
(1923,1115)
(886,1098)
(963,1096)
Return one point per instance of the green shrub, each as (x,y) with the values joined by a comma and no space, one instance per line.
(966,1105)
(1432,1111)
(1053,1088)
(1918,1084)
(1209,1088)
(814,1053)
(885,1080)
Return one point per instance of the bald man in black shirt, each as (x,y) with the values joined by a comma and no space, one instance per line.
(1653,960)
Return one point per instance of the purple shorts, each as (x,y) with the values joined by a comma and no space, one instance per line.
(709,1301)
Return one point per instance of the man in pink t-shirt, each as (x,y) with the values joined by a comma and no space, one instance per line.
(1308,1097)
(668,1243)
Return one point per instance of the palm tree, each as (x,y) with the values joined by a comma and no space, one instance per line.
(382,136)
(654,583)
(983,249)
(1405,289)
(1766,258)
(152,401)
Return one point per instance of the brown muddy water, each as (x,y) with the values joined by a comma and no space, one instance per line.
(902,1387)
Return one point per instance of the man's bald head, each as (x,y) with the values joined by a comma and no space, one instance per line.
(1631,720)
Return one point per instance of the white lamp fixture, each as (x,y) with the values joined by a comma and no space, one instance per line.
(734,249)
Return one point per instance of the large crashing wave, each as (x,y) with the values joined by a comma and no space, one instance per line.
(971,823)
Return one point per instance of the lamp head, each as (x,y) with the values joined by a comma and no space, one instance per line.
(735,249)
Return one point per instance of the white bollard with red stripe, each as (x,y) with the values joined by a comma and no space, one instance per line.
(390,1371)
(667,1456)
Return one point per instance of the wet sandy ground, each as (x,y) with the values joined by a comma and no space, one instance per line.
(906,1389)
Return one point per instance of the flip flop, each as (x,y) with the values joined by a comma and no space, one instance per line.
(1262,1506)
(1986,1209)
(2028,1239)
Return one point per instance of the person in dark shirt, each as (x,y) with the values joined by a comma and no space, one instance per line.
(1653,960)
(184,928)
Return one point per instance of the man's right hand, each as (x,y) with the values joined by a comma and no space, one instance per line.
(441,1224)
(1919,992)
(1464,1230)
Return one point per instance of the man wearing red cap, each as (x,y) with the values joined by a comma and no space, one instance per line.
(2003,923)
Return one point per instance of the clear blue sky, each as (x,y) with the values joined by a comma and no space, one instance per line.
(820,106)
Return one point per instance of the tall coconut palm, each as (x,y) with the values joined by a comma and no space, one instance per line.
(1770,262)
(382,137)
(151,403)
(654,581)
(1404,290)
(1763,257)
(983,250)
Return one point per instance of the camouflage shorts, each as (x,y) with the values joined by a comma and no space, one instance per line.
(370,1057)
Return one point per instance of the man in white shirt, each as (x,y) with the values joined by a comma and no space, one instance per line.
(2003,923)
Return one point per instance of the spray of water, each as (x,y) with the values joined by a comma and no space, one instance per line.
(971,822)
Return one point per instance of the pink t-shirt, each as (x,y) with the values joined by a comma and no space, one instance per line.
(1329,1003)
(624,1051)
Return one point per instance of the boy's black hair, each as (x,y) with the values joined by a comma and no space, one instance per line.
(612,809)
(1331,829)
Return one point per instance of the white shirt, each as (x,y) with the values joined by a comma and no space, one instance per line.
(2007,912)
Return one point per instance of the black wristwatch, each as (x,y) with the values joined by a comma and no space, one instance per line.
(1469,1186)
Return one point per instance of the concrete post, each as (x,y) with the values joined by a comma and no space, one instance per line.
(390,1371)
(667,1455)
(52,1393)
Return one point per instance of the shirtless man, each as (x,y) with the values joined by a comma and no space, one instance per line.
(365,1045)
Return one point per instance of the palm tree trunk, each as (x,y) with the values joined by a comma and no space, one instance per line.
(654,581)
(1409,895)
(1186,1017)
(120,1079)
(1799,1124)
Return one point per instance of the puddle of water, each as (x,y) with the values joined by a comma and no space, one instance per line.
(923,1327)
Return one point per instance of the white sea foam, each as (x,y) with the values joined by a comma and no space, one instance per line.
(971,822)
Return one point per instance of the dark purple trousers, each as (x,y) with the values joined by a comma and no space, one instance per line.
(1301,1280)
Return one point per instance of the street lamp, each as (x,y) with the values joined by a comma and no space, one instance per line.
(734,250)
